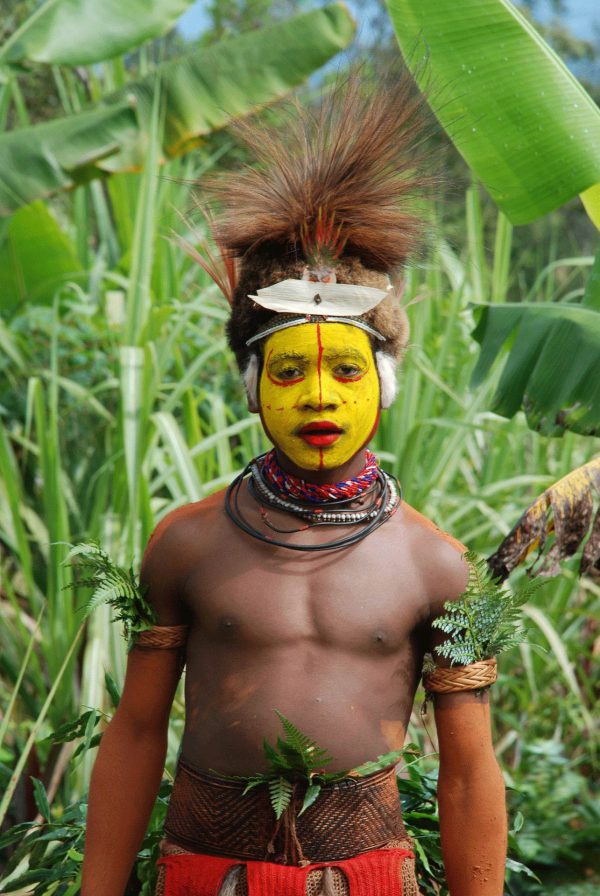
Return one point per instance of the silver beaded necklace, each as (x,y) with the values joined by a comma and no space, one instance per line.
(316,516)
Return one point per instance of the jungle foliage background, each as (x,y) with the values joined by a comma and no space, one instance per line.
(120,401)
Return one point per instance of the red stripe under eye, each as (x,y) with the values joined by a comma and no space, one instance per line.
(284,382)
(349,379)
(276,382)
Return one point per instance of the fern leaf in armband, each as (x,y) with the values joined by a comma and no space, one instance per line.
(485,620)
(113,585)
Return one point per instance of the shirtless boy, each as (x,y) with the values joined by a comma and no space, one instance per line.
(333,635)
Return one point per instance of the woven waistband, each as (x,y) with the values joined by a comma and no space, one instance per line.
(210,814)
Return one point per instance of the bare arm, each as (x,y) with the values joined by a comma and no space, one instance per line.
(470,787)
(128,771)
(471,796)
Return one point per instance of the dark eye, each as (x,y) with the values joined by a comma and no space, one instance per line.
(347,371)
(289,373)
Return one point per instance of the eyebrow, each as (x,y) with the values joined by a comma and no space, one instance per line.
(349,352)
(286,356)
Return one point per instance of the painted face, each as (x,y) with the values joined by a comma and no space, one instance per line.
(319,393)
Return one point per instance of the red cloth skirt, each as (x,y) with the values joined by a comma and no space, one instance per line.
(374,873)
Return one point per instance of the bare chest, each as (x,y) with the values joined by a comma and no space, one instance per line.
(366,598)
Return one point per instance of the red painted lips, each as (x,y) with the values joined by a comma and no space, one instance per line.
(320,433)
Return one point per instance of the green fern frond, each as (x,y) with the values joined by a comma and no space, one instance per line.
(298,752)
(271,754)
(485,620)
(280,792)
(253,782)
(312,792)
(377,765)
(298,760)
(113,585)
(294,737)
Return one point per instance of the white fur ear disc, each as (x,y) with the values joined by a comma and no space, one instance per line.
(386,368)
(251,380)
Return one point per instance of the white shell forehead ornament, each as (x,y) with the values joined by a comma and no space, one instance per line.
(341,302)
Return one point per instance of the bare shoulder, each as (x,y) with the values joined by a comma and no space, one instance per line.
(174,549)
(179,528)
(438,556)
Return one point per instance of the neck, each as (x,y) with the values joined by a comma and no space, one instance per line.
(348,470)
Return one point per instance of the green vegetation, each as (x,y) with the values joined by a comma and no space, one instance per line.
(485,621)
(119,401)
(113,585)
(297,759)
(503,127)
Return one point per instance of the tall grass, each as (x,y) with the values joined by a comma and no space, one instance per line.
(122,402)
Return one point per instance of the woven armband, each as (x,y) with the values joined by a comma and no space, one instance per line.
(473,677)
(162,637)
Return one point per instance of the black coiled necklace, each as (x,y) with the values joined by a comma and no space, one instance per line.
(387,495)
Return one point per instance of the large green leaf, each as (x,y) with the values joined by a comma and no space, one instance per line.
(553,366)
(36,258)
(520,119)
(38,161)
(76,32)
(202,91)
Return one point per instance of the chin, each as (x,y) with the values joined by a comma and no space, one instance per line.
(311,466)
(318,466)
(320,462)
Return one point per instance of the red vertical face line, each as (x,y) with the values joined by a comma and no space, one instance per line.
(319,364)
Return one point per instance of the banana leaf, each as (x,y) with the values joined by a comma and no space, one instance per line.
(525,126)
(36,258)
(78,32)
(38,161)
(553,366)
(566,510)
(202,91)
(553,369)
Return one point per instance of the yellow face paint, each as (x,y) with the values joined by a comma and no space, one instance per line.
(319,393)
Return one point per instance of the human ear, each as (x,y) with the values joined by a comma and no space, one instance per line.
(250,377)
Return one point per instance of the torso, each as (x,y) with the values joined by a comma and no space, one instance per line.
(333,640)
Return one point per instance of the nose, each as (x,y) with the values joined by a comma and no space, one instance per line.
(320,393)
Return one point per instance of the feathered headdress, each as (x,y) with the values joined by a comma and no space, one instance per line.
(331,198)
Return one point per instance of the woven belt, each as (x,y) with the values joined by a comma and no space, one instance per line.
(209,814)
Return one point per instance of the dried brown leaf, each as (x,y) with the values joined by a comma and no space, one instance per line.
(565,509)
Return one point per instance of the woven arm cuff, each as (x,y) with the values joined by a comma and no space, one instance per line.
(473,677)
(162,637)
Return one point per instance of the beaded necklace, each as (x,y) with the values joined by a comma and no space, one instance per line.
(287,486)
(386,497)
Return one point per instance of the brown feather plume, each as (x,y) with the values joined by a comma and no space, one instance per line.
(333,189)
(356,164)
(220,266)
